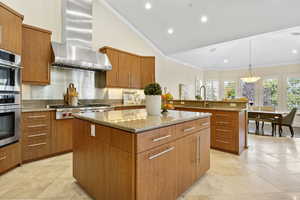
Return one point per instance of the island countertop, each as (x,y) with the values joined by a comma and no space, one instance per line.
(137,121)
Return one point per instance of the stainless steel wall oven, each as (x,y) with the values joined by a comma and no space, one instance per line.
(10,109)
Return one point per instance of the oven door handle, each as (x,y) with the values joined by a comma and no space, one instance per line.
(10,66)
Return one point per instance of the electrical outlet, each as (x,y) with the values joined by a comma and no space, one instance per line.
(93,130)
(232,104)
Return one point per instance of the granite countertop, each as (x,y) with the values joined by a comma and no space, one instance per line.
(137,121)
(37,109)
(44,108)
(211,108)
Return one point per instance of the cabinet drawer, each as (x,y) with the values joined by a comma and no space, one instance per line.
(32,129)
(224,124)
(155,138)
(35,148)
(9,157)
(224,133)
(224,117)
(35,118)
(192,126)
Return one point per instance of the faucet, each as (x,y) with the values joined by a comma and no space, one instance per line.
(204,88)
(204,98)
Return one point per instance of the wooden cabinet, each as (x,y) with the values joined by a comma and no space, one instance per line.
(156,168)
(62,135)
(159,164)
(36,55)
(10,156)
(128,70)
(10,30)
(36,135)
(186,162)
(228,129)
(43,135)
(111,77)
(147,70)
(203,152)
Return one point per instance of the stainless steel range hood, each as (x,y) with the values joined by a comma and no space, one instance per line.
(76,51)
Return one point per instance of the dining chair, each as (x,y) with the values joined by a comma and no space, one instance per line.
(270,109)
(287,121)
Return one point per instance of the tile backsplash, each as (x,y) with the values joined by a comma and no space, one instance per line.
(84,81)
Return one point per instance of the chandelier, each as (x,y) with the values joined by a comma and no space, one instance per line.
(251,78)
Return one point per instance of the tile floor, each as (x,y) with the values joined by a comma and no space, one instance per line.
(268,170)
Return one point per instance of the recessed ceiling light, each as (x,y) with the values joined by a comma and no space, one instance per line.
(170,31)
(295,33)
(226,61)
(204,18)
(148,6)
(295,51)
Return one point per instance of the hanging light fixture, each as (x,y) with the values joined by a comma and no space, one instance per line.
(250,78)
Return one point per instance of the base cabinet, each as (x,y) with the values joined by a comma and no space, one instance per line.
(156,173)
(10,156)
(154,165)
(62,135)
(43,135)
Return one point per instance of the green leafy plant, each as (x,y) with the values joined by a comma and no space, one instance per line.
(153,89)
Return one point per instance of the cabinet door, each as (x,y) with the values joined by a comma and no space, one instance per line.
(203,152)
(147,70)
(10,31)
(156,173)
(125,63)
(62,135)
(112,76)
(10,156)
(36,54)
(186,162)
(135,73)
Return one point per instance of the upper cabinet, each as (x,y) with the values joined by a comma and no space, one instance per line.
(128,70)
(10,30)
(36,55)
(148,70)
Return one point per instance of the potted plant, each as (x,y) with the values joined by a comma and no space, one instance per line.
(153,94)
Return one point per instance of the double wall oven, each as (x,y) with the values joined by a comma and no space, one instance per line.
(10,108)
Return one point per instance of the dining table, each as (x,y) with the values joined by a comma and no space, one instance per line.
(266,116)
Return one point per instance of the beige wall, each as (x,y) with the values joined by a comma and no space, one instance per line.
(109,30)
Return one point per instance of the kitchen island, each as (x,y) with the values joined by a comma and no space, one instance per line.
(128,155)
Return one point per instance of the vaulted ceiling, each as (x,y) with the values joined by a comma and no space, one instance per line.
(226,21)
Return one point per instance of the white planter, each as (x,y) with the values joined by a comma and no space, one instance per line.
(153,104)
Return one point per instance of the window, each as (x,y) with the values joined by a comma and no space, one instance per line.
(293,93)
(248,91)
(230,89)
(212,89)
(270,92)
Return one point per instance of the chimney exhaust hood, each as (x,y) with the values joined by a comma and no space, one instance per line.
(76,51)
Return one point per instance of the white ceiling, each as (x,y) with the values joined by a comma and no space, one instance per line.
(268,49)
(228,20)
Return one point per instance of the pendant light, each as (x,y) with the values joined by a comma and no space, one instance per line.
(250,78)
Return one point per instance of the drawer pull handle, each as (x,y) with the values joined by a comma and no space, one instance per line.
(188,129)
(223,141)
(222,115)
(3,158)
(161,138)
(222,122)
(37,126)
(39,144)
(37,135)
(205,124)
(161,153)
(37,116)
(221,130)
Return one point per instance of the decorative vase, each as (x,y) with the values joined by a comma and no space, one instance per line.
(153,104)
